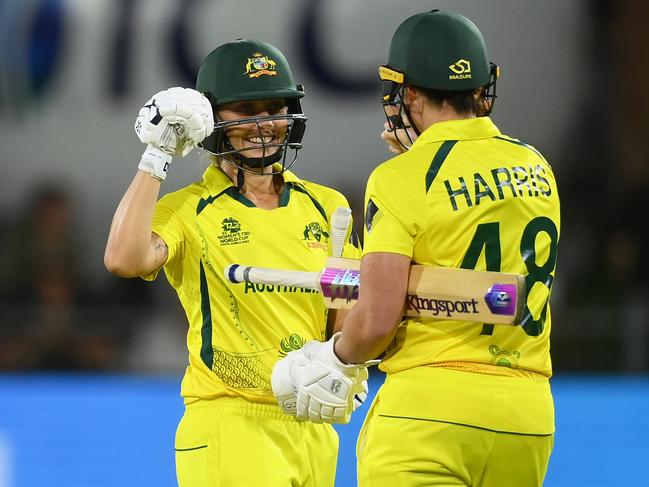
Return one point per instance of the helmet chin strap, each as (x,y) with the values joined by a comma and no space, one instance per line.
(240,162)
(258,162)
(240,177)
(253,162)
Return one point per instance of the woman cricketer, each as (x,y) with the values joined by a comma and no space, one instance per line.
(249,208)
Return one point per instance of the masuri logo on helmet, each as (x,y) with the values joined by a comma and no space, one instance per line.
(461,68)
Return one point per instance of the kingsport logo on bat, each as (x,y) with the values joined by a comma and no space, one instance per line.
(437,306)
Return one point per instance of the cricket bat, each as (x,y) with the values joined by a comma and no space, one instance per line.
(440,293)
(340,220)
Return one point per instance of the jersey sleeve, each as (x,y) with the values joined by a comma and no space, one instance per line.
(390,215)
(167,223)
(352,248)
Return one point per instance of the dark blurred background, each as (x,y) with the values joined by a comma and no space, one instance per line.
(74,73)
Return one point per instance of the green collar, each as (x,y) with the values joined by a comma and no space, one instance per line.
(218,183)
(465,129)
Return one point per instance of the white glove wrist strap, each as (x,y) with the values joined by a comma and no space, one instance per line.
(342,365)
(336,361)
(155,161)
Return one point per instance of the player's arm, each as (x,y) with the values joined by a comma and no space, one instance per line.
(371,325)
(335,320)
(172,122)
(132,248)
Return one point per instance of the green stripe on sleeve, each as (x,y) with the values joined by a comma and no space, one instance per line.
(438,160)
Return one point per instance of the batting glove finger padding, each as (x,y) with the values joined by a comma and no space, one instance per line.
(324,395)
(152,129)
(173,121)
(287,373)
(188,108)
(327,388)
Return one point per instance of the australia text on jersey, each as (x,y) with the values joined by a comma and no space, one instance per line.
(271,288)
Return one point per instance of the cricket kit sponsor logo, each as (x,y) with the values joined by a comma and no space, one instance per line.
(501,299)
(336,386)
(441,306)
(461,69)
(315,237)
(231,232)
(260,65)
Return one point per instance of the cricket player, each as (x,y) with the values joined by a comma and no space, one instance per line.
(248,208)
(465,404)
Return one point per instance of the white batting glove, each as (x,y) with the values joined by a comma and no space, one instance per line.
(172,122)
(328,390)
(287,373)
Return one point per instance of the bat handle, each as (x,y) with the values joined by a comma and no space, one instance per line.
(236,273)
(340,220)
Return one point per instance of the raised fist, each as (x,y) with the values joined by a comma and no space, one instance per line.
(175,120)
(172,123)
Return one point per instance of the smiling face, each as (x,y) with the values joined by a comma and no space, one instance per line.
(254,137)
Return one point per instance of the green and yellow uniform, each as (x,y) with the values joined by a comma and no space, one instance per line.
(238,331)
(466,196)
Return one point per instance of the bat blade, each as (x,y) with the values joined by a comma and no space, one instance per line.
(466,295)
(438,293)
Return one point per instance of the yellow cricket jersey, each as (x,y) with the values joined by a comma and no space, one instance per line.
(238,331)
(467,196)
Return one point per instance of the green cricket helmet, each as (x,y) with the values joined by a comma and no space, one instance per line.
(247,69)
(438,50)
